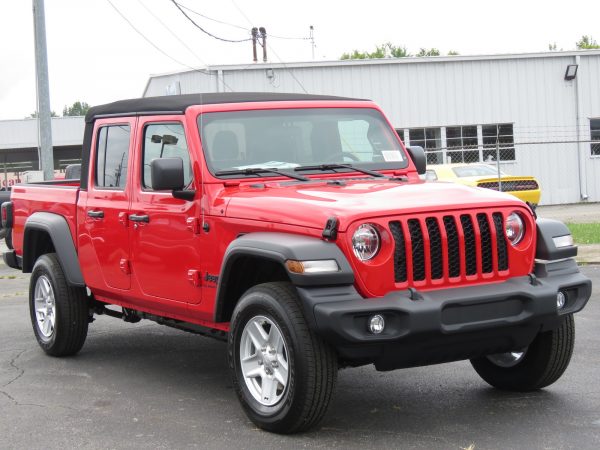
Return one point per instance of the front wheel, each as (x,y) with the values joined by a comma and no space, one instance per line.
(59,312)
(284,375)
(535,367)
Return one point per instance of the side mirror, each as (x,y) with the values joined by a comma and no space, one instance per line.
(167,174)
(417,154)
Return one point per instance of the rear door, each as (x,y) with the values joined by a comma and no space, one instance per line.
(104,246)
(166,248)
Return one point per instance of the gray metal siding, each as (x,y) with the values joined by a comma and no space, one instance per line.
(528,91)
(24,134)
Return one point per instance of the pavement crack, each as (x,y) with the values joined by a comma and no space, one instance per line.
(12,363)
(17,403)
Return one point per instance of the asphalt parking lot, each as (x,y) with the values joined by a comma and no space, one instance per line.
(145,385)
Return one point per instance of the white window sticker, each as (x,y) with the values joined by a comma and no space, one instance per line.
(391,155)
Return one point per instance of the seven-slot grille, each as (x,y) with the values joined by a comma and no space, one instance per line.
(451,246)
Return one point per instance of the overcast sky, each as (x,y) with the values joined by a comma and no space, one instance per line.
(95,55)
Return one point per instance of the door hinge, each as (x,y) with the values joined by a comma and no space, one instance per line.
(125,266)
(193,224)
(194,277)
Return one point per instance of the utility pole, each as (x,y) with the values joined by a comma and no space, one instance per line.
(45,151)
(263,35)
(254,32)
(312,40)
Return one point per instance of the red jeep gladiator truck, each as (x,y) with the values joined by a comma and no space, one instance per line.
(297,228)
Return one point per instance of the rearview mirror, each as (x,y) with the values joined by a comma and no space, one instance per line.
(417,154)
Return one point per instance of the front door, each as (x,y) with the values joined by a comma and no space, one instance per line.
(165,234)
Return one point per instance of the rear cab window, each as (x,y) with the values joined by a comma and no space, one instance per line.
(112,156)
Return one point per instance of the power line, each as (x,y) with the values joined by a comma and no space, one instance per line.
(172,33)
(214,20)
(291,38)
(204,72)
(203,30)
(222,22)
(271,48)
(152,43)
(182,42)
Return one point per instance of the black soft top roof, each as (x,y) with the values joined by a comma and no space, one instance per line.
(179,103)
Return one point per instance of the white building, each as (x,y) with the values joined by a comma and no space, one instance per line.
(19,145)
(457,107)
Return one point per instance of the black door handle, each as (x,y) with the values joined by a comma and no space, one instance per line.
(139,218)
(96,214)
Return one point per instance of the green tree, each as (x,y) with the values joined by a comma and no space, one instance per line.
(428,52)
(387,50)
(453,53)
(398,52)
(34,115)
(76,109)
(354,55)
(587,43)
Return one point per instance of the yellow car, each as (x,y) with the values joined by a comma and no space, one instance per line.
(486,176)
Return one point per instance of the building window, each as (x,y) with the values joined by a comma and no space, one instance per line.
(400,132)
(498,139)
(112,156)
(595,136)
(462,144)
(431,140)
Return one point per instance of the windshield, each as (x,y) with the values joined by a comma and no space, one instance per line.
(289,138)
(475,171)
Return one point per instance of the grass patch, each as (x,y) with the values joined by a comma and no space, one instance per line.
(585,233)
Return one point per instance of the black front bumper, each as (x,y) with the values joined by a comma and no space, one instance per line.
(446,325)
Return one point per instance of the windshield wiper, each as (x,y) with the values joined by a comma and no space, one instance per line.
(339,166)
(258,171)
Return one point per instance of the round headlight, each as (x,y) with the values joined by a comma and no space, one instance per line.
(515,228)
(365,242)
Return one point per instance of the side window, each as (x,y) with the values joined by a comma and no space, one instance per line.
(165,140)
(112,156)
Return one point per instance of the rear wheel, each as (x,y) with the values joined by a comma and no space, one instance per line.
(284,375)
(59,312)
(535,367)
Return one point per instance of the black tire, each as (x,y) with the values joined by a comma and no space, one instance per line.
(2,233)
(70,309)
(544,361)
(311,363)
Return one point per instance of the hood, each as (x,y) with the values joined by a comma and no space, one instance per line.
(311,204)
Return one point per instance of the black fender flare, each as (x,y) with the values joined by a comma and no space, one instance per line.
(547,229)
(57,228)
(280,247)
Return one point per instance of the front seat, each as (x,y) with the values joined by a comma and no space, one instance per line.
(225,150)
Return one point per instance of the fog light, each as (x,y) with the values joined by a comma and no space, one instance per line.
(561,300)
(376,324)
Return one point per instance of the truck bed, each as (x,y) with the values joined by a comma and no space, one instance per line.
(54,198)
